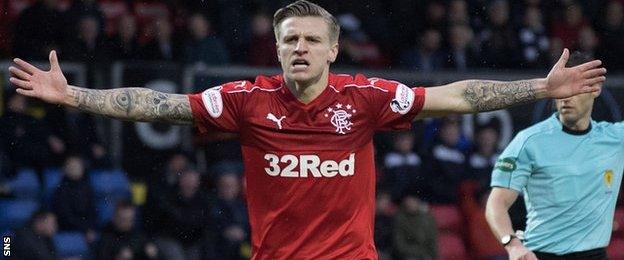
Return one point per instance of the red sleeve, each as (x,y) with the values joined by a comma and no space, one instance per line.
(396,105)
(219,108)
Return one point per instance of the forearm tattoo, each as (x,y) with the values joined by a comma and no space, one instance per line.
(494,95)
(136,104)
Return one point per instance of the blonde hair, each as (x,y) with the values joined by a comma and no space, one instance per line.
(304,8)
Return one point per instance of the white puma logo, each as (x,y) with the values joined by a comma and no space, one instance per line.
(273,118)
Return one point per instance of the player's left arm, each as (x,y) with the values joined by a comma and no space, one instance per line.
(472,96)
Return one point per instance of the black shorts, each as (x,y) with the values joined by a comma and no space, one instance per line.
(593,254)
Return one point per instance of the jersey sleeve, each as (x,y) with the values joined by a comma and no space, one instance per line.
(219,108)
(513,167)
(394,105)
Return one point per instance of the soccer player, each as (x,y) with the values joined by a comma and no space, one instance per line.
(569,169)
(306,135)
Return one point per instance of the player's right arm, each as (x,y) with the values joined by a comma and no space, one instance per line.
(134,104)
(497,215)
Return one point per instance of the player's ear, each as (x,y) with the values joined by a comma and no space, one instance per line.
(279,59)
(333,52)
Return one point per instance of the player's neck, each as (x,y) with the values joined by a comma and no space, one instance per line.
(579,125)
(309,90)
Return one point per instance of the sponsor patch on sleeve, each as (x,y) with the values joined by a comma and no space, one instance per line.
(403,100)
(213,102)
(507,164)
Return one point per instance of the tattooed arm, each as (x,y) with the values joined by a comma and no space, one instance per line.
(136,104)
(472,96)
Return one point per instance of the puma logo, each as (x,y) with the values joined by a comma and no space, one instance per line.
(273,118)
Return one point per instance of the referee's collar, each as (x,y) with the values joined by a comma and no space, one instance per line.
(572,131)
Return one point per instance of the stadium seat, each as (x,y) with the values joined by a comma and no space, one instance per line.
(111,184)
(71,244)
(105,208)
(51,180)
(25,185)
(618,225)
(615,250)
(15,213)
(451,246)
(448,217)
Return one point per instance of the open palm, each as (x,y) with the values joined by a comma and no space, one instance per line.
(565,82)
(49,86)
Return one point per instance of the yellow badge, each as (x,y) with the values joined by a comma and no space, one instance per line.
(608,178)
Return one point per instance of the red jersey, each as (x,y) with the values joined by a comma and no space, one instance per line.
(309,168)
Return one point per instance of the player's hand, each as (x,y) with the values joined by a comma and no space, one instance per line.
(564,82)
(517,251)
(49,86)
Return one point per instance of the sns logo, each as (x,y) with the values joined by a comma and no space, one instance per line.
(403,100)
(305,165)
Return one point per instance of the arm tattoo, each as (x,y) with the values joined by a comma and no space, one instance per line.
(135,104)
(493,95)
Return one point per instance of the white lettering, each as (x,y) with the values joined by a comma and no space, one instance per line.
(308,164)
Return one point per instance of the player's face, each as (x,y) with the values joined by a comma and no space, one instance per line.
(304,48)
(576,107)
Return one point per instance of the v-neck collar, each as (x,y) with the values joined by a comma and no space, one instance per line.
(320,101)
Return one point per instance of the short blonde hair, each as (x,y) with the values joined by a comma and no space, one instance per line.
(304,8)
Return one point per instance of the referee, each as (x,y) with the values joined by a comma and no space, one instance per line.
(569,169)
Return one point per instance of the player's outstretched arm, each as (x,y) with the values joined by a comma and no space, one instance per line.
(471,96)
(135,104)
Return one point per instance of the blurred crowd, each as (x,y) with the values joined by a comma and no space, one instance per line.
(56,172)
(422,35)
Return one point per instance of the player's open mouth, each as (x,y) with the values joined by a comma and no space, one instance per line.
(300,63)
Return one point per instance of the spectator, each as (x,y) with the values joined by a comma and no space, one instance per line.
(125,44)
(121,240)
(427,56)
(415,233)
(87,46)
(355,46)
(38,30)
(447,164)
(533,39)
(76,12)
(481,161)
(182,228)
(27,141)
(612,36)
(384,216)
(402,166)
(462,52)
(204,47)
(499,45)
(161,188)
(458,13)
(567,29)
(230,216)
(162,47)
(34,242)
(588,41)
(74,201)
(262,48)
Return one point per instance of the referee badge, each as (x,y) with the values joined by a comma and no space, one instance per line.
(608,178)
(506,164)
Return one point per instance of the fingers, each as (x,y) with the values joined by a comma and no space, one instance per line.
(25,92)
(54,63)
(589,65)
(591,88)
(21,83)
(563,60)
(594,72)
(26,66)
(594,80)
(19,73)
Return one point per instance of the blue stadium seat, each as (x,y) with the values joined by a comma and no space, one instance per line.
(25,185)
(71,244)
(51,180)
(15,213)
(111,184)
(105,209)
